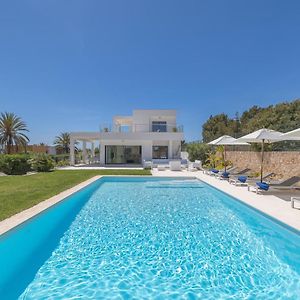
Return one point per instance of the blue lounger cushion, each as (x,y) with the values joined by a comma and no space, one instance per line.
(215,171)
(263,186)
(242,179)
(225,174)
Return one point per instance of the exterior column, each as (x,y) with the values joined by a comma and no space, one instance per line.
(170,154)
(72,151)
(151,150)
(84,158)
(102,153)
(146,150)
(93,151)
(99,154)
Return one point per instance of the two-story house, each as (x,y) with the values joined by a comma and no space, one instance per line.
(146,135)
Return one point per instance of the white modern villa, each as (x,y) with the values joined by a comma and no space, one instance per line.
(147,135)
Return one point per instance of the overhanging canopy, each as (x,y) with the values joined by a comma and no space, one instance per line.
(262,135)
(293,135)
(226,140)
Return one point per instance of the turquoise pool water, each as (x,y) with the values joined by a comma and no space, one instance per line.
(147,238)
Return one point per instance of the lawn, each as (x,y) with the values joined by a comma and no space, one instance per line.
(21,192)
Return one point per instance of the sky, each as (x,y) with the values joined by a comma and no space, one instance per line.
(72,65)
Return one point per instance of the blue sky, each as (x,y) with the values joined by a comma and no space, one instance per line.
(71,65)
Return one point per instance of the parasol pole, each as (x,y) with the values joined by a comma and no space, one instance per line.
(262,160)
(225,157)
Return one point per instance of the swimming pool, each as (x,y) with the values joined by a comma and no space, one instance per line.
(141,238)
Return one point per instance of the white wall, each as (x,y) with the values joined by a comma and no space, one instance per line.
(141,136)
(174,150)
(146,148)
(142,122)
(142,119)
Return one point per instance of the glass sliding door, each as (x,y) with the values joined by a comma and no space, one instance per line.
(114,155)
(160,152)
(123,154)
(133,154)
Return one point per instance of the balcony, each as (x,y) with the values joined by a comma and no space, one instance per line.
(141,128)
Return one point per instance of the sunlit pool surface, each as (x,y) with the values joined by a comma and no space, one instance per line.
(152,238)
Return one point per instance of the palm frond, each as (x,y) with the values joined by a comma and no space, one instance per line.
(11,131)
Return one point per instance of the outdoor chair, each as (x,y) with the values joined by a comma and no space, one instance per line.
(197,164)
(147,164)
(175,165)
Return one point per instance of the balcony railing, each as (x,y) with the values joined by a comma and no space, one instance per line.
(142,128)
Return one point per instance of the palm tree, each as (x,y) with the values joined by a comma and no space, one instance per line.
(12,131)
(62,142)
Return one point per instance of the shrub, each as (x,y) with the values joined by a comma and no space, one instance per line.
(62,163)
(42,163)
(197,151)
(14,164)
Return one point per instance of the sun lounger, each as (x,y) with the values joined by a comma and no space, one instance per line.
(259,187)
(295,200)
(223,176)
(209,171)
(284,185)
(242,172)
(231,169)
(214,172)
(239,181)
(244,180)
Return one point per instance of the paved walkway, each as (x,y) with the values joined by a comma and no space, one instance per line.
(268,204)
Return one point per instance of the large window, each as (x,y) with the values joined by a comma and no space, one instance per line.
(160,152)
(123,154)
(159,126)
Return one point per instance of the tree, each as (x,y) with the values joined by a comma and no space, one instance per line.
(217,126)
(62,142)
(281,117)
(12,130)
(197,151)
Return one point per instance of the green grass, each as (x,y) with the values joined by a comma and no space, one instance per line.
(21,192)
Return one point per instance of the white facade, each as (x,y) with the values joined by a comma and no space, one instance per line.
(146,135)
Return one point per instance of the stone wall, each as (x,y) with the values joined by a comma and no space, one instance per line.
(283,164)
